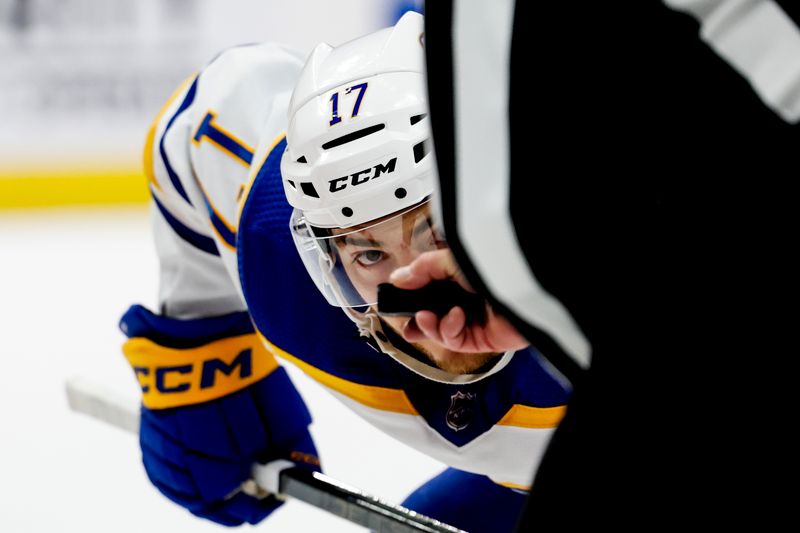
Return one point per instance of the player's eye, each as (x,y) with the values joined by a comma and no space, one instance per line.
(368,258)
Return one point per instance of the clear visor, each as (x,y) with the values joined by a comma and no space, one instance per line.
(347,265)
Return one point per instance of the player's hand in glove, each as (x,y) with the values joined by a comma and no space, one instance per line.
(214,402)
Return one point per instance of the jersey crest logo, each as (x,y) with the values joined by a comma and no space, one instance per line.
(459,415)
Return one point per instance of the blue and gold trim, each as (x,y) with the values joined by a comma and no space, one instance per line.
(278,145)
(226,141)
(515,486)
(240,151)
(383,398)
(149,169)
(525,416)
(197,240)
(173,176)
(223,228)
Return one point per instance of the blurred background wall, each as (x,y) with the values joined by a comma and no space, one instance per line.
(80,80)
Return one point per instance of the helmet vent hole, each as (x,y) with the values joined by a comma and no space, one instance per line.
(400,193)
(417,118)
(292,184)
(308,189)
(302,159)
(350,137)
(421,150)
(346,211)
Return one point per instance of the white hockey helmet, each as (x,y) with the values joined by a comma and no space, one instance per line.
(358,150)
(358,132)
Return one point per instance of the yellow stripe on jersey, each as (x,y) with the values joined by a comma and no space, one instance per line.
(172,377)
(151,134)
(385,399)
(533,417)
(517,486)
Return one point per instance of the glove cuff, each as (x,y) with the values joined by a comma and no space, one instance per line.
(173,376)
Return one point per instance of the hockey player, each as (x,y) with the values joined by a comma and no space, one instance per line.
(246,276)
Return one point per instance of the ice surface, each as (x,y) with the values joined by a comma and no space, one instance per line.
(66,277)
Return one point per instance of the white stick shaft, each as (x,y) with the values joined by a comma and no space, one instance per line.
(104,404)
(89,398)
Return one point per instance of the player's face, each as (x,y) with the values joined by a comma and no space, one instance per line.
(369,255)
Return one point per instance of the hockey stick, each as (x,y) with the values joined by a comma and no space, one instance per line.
(278,477)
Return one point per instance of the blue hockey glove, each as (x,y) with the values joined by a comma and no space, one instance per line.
(214,402)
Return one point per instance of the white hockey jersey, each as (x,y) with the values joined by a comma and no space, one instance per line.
(222,234)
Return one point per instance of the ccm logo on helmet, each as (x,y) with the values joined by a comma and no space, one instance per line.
(362,176)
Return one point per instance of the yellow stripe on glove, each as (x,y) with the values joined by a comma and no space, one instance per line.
(172,377)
